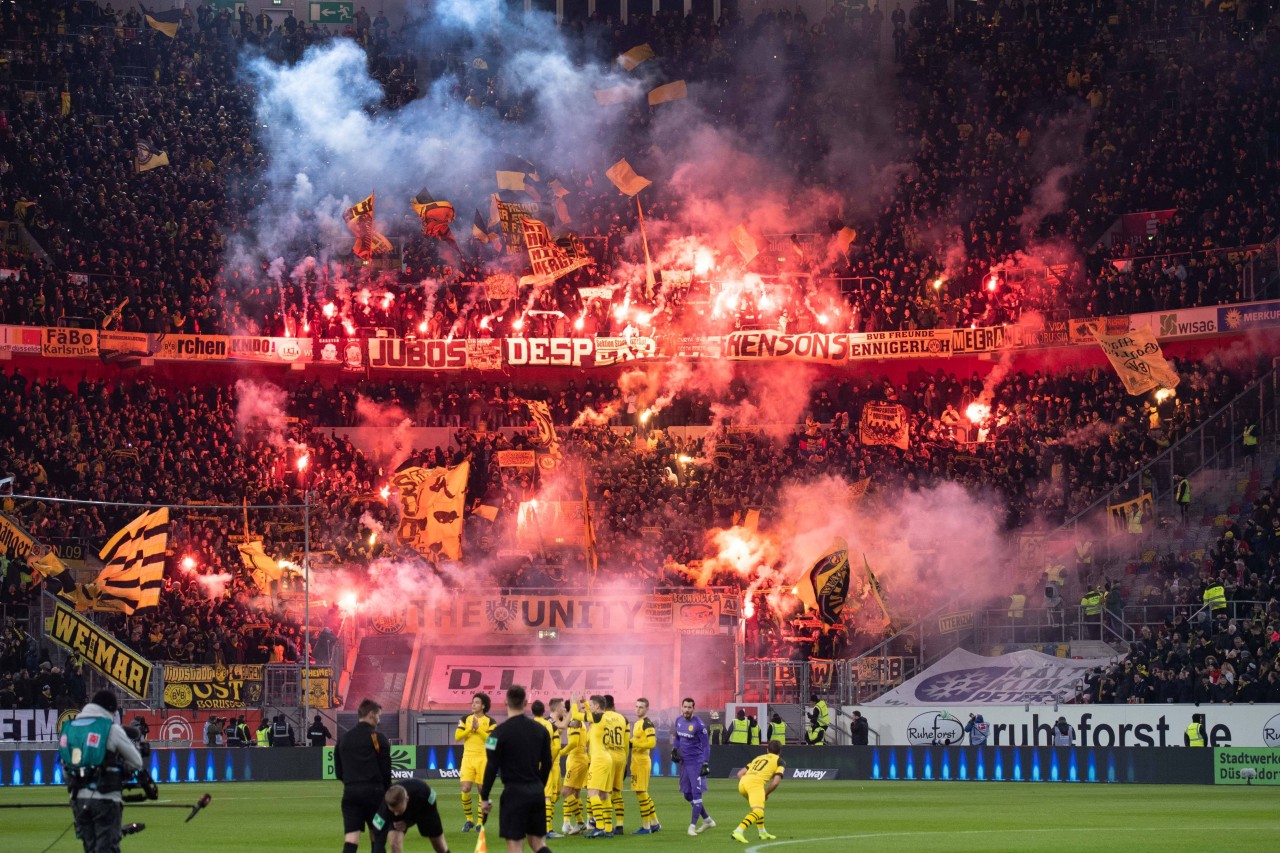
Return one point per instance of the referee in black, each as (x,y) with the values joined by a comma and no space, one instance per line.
(520,750)
(362,760)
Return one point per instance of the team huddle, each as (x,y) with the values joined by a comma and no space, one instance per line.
(597,745)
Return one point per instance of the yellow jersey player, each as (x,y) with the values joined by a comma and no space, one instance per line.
(575,767)
(644,739)
(472,730)
(551,791)
(756,782)
(619,752)
(601,738)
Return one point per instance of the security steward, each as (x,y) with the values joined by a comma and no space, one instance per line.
(1215,595)
(740,728)
(777,729)
(1091,603)
(1194,735)
(97,758)
(410,802)
(819,722)
(318,733)
(520,751)
(362,761)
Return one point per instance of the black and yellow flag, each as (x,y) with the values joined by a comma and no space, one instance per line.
(825,587)
(134,559)
(168,21)
(436,215)
(369,241)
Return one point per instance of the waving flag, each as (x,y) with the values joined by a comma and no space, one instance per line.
(369,242)
(134,564)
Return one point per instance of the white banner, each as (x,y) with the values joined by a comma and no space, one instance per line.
(28,725)
(1095,725)
(1183,323)
(455,677)
(271,350)
(1138,361)
(1013,679)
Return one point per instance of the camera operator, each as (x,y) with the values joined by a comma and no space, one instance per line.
(98,758)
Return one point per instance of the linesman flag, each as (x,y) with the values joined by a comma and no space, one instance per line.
(168,21)
(825,587)
(676,91)
(638,54)
(369,242)
(147,157)
(134,564)
(625,178)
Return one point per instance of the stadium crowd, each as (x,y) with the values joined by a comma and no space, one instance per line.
(1068,117)
(999,188)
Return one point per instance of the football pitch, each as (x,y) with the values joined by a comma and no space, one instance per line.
(947,817)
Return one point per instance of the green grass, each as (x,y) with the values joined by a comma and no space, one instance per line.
(947,817)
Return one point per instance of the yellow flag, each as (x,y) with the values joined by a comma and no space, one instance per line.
(638,54)
(676,91)
(625,178)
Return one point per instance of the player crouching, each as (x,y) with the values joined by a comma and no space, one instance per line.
(756,782)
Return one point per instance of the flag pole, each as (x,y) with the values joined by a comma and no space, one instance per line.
(306,604)
(649,281)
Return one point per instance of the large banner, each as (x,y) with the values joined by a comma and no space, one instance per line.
(124,667)
(1013,679)
(69,343)
(1156,725)
(212,687)
(835,348)
(455,675)
(1137,358)
(978,340)
(659,614)
(577,352)
(511,216)
(394,353)
(28,726)
(1242,318)
(270,350)
(193,347)
(884,423)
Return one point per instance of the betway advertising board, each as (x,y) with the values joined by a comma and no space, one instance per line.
(1094,725)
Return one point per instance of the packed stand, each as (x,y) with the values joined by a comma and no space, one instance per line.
(994,191)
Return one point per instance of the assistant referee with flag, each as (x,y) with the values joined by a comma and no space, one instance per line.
(520,750)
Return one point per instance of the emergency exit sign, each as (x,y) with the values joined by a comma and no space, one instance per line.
(333,13)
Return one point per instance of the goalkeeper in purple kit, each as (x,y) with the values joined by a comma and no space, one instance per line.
(691,749)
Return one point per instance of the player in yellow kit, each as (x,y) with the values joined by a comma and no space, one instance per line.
(619,751)
(551,791)
(644,738)
(602,734)
(472,730)
(575,767)
(756,782)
